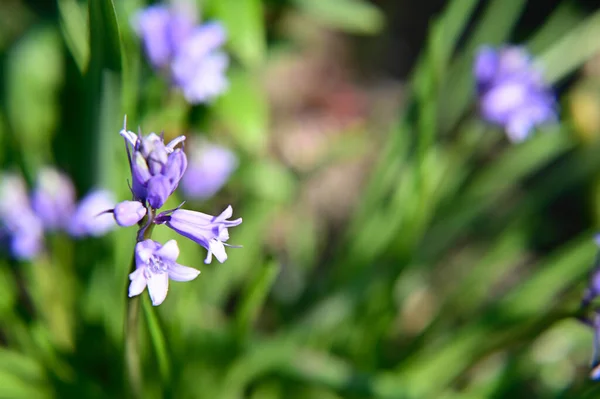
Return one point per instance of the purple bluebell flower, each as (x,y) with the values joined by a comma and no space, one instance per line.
(199,68)
(173,41)
(512,93)
(128,213)
(20,229)
(155,265)
(53,199)
(207,230)
(162,31)
(209,168)
(156,168)
(91,217)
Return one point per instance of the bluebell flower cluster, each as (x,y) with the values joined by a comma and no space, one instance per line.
(156,170)
(512,92)
(51,207)
(210,166)
(188,52)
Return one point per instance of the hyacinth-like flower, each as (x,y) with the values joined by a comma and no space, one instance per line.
(209,168)
(163,32)
(512,93)
(155,265)
(188,52)
(90,217)
(21,230)
(199,68)
(156,168)
(53,199)
(207,230)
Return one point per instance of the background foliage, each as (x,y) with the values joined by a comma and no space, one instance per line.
(394,245)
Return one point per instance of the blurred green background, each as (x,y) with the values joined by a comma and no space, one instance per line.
(394,245)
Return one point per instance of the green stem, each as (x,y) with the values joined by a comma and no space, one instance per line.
(132,359)
(133,373)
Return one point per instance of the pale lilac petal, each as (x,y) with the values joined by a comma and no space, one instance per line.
(179,272)
(169,251)
(138,282)
(158,286)
(218,250)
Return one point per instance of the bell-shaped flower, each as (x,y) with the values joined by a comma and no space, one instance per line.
(128,213)
(209,231)
(155,265)
(512,93)
(156,168)
(209,168)
(91,217)
(53,199)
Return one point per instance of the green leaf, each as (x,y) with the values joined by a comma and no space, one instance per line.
(352,16)
(244,20)
(75,30)
(572,50)
(34,76)
(255,297)
(493,28)
(243,109)
(105,42)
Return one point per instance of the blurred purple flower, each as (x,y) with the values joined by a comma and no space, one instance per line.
(512,92)
(207,230)
(172,40)
(199,68)
(156,168)
(162,31)
(209,168)
(53,199)
(90,217)
(21,229)
(155,265)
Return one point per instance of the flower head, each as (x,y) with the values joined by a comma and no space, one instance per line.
(90,217)
(155,265)
(156,168)
(512,92)
(209,169)
(189,52)
(209,231)
(53,199)
(199,68)
(162,31)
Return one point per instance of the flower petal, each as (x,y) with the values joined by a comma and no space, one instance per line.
(158,285)
(217,248)
(138,282)
(179,272)
(169,251)
(159,189)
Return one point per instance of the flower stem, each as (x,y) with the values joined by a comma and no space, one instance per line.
(133,370)
(133,373)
